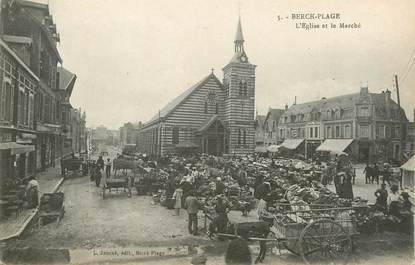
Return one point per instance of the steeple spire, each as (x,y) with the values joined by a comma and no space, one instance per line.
(239,38)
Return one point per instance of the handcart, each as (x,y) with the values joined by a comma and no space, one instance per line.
(51,207)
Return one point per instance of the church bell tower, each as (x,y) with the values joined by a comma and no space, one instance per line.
(239,85)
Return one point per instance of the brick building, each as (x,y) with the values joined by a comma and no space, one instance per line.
(32,92)
(215,116)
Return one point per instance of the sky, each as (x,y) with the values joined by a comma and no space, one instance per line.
(132,57)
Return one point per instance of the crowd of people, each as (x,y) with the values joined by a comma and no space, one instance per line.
(216,185)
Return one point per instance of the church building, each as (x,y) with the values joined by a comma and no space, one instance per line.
(212,117)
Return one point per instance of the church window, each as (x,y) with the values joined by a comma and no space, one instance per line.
(175,135)
(206,107)
(217,108)
(244,137)
(240,88)
(245,85)
(239,137)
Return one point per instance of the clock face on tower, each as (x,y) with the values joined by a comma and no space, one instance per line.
(243,58)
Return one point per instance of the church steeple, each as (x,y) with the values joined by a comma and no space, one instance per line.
(239,38)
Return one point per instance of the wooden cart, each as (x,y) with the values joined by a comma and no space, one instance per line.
(72,165)
(51,207)
(117,184)
(319,234)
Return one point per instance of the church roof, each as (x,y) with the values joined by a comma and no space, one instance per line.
(165,111)
(239,36)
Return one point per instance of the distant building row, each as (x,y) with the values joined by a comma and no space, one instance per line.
(369,126)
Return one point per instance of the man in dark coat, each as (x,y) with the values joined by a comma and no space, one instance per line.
(368,174)
(220,187)
(375,173)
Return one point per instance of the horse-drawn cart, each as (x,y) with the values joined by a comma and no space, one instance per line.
(318,234)
(116,184)
(71,165)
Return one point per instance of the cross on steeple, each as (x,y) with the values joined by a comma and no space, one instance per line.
(212,70)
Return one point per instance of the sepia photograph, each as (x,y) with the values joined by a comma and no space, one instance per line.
(207,132)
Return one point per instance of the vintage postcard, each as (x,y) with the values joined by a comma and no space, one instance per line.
(207,132)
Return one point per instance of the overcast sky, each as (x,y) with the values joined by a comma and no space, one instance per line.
(133,56)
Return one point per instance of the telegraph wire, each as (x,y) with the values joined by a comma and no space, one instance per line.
(408,66)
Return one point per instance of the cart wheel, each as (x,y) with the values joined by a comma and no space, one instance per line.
(325,242)
(103,193)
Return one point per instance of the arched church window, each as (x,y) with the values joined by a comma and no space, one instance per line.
(244,137)
(217,108)
(206,107)
(240,88)
(245,86)
(239,136)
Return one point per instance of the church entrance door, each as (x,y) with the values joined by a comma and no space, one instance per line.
(212,138)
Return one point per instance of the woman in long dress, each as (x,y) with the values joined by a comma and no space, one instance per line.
(177,196)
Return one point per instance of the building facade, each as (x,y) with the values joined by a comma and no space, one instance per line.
(31,102)
(373,121)
(215,116)
(129,133)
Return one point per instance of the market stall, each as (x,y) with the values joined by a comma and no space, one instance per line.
(408,174)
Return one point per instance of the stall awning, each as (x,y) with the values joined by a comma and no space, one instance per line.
(335,146)
(292,143)
(17,148)
(409,165)
(273,148)
(260,149)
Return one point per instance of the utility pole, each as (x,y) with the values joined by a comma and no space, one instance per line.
(397,90)
(402,124)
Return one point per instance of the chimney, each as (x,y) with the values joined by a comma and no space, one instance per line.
(388,94)
(364,91)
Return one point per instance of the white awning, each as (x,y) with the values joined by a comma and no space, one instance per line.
(17,148)
(260,149)
(273,148)
(335,146)
(409,165)
(292,143)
